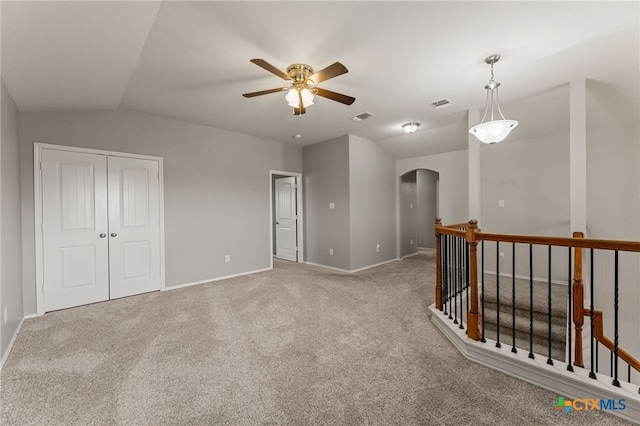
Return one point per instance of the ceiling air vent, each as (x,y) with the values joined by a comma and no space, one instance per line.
(363,116)
(441,103)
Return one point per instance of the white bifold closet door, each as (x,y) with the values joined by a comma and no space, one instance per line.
(101,227)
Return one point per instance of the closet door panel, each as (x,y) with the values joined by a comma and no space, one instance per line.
(134,226)
(74,227)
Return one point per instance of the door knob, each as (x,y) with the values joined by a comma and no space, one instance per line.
(277,223)
(103,235)
(114,234)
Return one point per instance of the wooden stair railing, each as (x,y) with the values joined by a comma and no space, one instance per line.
(470,232)
(598,334)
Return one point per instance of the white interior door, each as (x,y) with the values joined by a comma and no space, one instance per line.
(75,228)
(134,226)
(286,219)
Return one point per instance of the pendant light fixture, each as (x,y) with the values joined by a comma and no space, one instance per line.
(493,130)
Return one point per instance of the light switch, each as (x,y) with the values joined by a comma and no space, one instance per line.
(500,203)
(332,206)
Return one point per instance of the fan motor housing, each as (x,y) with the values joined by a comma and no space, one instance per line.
(299,72)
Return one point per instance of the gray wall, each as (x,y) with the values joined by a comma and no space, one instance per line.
(372,200)
(613,201)
(216,187)
(326,180)
(10,218)
(408,213)
(358,176)
(426,181)
(453,170)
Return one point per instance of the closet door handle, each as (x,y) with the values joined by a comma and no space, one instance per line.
(114,234)
(103,235)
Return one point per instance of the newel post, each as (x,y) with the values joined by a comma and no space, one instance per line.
(474,318)
(578,301)
(438,265)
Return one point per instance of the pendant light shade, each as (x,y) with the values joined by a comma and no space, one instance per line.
(493,130)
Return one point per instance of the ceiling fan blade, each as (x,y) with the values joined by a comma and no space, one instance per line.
(338,97)
(263,92)
(329,72)
(267,66)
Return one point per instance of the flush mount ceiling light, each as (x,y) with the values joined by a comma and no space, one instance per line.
(493,131)
(410,127)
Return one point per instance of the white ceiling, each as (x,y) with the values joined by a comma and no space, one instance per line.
(190,61)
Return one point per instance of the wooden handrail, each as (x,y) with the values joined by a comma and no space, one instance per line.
(456,226)
(598,333)
(453,232)
(471,233)
(632,246)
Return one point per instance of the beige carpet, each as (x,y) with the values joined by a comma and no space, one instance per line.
(298,345)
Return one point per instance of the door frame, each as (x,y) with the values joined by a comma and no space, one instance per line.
(38,216)
(299,207)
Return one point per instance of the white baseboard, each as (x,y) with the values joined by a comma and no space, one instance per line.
(410,255)
(351,271)
(556,378)
(13,339)
(173,287)
(377,264)
(346,271)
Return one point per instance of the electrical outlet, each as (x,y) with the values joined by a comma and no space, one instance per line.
(227,259)
(330,252)
(501,255)
(377,247)
(500,203)
(5,316)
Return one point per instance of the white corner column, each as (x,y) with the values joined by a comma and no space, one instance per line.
(578,155)
(474,168)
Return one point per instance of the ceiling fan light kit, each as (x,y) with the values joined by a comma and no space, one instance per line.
(497,130)
(300,94)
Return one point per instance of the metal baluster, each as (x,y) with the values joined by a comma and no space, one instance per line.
(449,243)
(468,275)
(569,365)
(498,345)
(483,340)
(591,320)
(531,302)
(445,273)
(549,360)
(460,272)
(615,381)
(513,297)
(455,279)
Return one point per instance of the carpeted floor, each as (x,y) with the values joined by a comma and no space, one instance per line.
(298,345)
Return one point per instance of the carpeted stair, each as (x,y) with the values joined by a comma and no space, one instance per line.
(540,308)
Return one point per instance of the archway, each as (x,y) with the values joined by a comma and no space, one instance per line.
(418,210)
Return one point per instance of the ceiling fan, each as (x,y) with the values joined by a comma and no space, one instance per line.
(303,80)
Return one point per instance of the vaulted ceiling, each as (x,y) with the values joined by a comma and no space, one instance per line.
(190,61)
